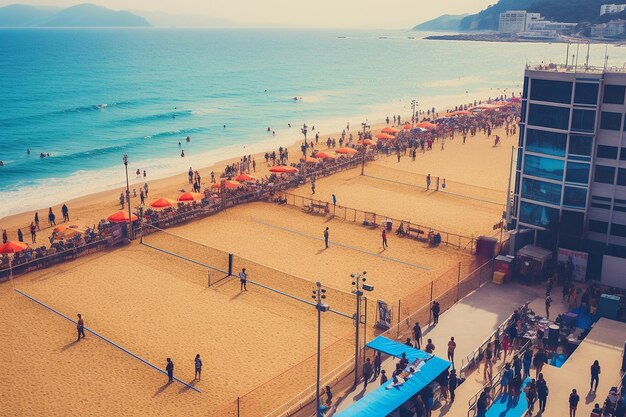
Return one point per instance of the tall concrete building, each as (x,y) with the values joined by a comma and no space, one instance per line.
(612,8)
(515,21)
(569,187)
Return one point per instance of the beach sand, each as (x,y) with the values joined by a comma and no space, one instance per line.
(158,306)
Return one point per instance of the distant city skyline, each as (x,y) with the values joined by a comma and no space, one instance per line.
(354,14)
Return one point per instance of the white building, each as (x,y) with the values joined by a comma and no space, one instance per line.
(612,8)
(515,21)
(608,30)
(546,25)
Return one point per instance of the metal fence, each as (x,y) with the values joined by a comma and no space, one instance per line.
(374,220)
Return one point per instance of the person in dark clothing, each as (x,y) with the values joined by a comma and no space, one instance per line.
(436,309)
(367,372)
(329,396)
(326,237)
(427,397)
(482,404)
(170,370)
(20,236)
(540,358)
(542,392)
(377,364)
(80,327)
(531,396)
(417,335)
(526,361)
(383,377)
(453,382)
(66,213)
(574,398)
(517,366)
(420,408)
(595,375)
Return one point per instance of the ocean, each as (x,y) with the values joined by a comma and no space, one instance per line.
(89,96)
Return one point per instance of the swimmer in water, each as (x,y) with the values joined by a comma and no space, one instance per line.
(224,126)
(182,153)
(28,151)
(1,164)
(188,139)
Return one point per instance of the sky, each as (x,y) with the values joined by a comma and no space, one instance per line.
(366,14)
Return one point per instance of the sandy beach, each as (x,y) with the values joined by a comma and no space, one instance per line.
(157,306)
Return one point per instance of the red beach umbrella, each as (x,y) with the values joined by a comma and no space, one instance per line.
(121,217)
(284,169)
(244,178)
(163,203)
(367,142)
(228,184)
(385,136)
(12,247)
(346,151)
(189,196)
(309,160)
(426,125)
(390,130)
(323,155)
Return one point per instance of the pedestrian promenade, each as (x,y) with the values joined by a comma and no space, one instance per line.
(471,321)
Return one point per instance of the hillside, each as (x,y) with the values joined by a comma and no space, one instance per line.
(446,23)
(574,11)
(82,15)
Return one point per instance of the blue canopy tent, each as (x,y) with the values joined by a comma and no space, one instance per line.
(386,398)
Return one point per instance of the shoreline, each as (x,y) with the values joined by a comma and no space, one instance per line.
(88,209)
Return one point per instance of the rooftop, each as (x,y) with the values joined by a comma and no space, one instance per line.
(580,68)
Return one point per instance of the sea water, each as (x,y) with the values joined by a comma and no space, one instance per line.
(89,96)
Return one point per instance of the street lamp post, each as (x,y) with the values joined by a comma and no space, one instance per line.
(414,103)
(130,219)
(358,281)
(319,295)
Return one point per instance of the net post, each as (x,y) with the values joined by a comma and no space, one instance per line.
(209,278)
(230,264)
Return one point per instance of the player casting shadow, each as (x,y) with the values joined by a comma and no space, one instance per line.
(187,387)
(162,388)
(591,396)
(69,345)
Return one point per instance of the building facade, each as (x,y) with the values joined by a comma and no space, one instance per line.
(570,177)
(515,21)
(614,28)
(612,8)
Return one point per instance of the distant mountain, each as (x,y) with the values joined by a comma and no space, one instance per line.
(572,11)
(174,20)
(446,23)
(82,15)
(22,15)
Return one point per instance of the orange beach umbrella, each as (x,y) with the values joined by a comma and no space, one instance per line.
(346,151)
(189,196)
(391,130)
(309,160)
(244,178)
(284,169)
(66,232)
(163,203)
(407,127)
(12,247)
(385,136)
(228,184)
(121,217)
(323,155)
(426,125)
(367,142)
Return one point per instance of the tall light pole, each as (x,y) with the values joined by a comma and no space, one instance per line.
(358,282)
(319,295)
(130,219)
(414,103)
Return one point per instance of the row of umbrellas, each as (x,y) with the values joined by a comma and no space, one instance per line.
(60,233)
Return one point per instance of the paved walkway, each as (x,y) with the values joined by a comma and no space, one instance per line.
(470,321)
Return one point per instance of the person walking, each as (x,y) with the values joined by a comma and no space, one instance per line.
(334,202)
(367,372)
(540,358)
(430,347)
(548,304)
(531,396)
(198,366)
(66,213)
(51,217)
(435,309)
(384,236)
(506,378)
(170,371)
(329,396)
(377,364)
(243,279)
(37,220)
(527,359)
(453,382)
(33,232)
(417,335)
(574,398)
(451,347)
(80,327)
(383,377)
(326,237)
(141,197)
(20,236)
(595,375)
(5,237)
(427,182)
(488,361)
(542,392)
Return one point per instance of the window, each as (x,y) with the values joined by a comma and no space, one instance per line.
(621,176)
(572,222)
(552,91)
(580,145)
(517,178)
(618,230)
(598,226)
(548,116)
(604,174)
(525,90)
(545,192)
(538,215)
(523,111)
(538,166)
(611,121)
(520,152)
(575,197)
(607,152)
(601,202)
(522,129)
(614,94)
(622,155)
(586,93)
(577,172)
(549,143)
(583,120)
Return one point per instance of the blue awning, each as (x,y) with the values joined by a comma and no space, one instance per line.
(386,398)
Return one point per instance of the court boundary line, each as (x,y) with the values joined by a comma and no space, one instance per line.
(107,340)
(439,191)
(343,245)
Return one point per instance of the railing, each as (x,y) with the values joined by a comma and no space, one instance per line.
(471,359)
(491,386)
(580,67)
